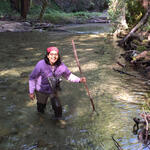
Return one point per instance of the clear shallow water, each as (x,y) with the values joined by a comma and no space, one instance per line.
(91,28)
(116,97)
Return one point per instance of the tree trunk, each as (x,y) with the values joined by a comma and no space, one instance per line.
(123,18)
(44,5)
(14,4)
(24,8)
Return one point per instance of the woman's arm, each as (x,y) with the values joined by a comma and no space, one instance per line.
(32,78)
(74,78)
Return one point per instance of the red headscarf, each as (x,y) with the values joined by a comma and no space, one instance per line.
(49,49)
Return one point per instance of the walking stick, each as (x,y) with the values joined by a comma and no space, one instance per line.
(78,64)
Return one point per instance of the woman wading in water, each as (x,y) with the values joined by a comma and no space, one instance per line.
(45,78)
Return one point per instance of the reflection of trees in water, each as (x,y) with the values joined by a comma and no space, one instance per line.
(141,129)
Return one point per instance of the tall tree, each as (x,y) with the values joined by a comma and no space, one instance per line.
(25,4)
(117,12)
(22,6)
(15,5)
(44,5)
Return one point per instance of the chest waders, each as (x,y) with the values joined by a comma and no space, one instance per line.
(42,98)
(41,107)
(55,102)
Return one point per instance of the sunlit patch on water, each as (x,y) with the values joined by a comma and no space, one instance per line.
(129,98)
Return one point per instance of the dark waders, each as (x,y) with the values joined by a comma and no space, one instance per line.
(55,102)
(57,107)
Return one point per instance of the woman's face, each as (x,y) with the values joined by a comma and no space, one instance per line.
(53,57)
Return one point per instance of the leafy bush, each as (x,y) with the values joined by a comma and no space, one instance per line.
(52,13)
(82,5)
(115,8)
(58,17)
(134,11)
(5,8)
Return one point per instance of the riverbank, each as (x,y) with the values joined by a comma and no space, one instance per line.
(27,26)
(15,24)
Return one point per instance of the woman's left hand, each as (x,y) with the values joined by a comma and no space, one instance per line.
(82,80)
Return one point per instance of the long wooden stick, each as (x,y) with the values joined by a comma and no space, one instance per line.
(78,64)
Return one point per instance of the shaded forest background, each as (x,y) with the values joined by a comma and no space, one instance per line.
(128,12)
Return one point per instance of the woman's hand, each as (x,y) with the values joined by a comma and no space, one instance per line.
(32,96)
(82,80)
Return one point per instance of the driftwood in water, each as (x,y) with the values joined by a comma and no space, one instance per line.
(139,61)
(120,64)
(126,73)
(116,144)
(142,131)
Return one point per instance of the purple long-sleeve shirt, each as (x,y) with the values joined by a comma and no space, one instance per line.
(38,79)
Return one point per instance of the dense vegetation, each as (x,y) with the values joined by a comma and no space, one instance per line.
(61,11)
(131,11)
(52,10)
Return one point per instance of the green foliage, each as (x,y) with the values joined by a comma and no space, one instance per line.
(82,5)
(141,48)
(58,17)
(134,11)
(133,8)
(87,14)
(34,10)
(115,8)
(5,8)
(147,25)
(61,17)
(53,13)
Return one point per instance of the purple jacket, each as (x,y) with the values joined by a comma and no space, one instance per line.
(38,79)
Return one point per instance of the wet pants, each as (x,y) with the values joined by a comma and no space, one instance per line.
(42,101)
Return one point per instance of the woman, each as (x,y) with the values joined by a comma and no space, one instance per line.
(44,81)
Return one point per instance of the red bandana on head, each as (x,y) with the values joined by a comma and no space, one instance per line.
(49,49)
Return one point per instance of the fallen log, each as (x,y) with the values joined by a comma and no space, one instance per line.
(117,144)
(143,130)
(126,73)
(120,64)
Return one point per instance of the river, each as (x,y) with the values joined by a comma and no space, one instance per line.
(117,97)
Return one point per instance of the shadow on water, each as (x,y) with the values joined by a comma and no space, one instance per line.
(21,127)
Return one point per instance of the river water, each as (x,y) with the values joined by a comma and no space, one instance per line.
(117,98)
